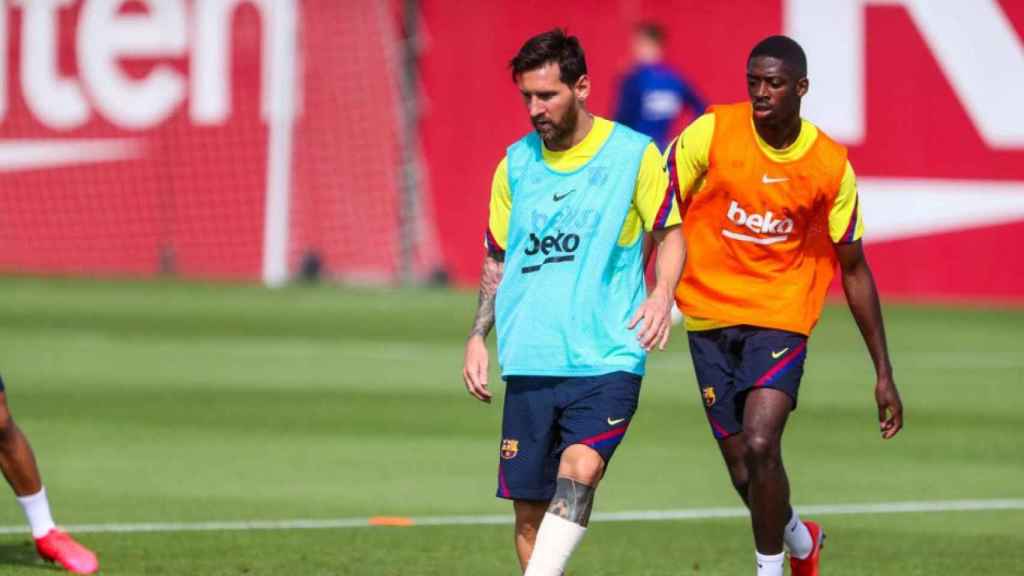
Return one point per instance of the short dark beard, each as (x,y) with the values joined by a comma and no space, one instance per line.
(563,131)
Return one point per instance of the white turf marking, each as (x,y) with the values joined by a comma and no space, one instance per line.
(633,516)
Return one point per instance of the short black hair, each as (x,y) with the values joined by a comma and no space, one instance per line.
(651,30)
(551,46)
(783,48)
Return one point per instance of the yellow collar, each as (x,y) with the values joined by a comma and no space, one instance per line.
(793,152)
(580,154)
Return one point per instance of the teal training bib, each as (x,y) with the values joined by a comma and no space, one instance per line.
(568,289)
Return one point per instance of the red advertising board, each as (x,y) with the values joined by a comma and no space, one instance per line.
(107,164)
(136,136)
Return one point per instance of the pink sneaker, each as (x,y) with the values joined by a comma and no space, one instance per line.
(57,546)
(809,566)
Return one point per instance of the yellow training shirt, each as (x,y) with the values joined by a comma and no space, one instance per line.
(649,196)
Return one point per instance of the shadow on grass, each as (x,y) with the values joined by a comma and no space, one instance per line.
(23,554)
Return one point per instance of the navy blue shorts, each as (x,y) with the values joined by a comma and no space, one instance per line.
(1,383)
(732,361)
(544,415)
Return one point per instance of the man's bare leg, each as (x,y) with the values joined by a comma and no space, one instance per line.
(529,514)
(568,515)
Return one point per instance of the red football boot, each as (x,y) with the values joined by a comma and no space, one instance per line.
(57,546)
(809,566)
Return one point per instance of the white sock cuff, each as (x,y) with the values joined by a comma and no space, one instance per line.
(770,564)
(33,498)
(780,557)
(561,523)
(37,512)
(556,540)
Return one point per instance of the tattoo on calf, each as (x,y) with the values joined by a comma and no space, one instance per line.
(572,501)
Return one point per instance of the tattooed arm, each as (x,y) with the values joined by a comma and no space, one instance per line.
(474,369)
(494,265)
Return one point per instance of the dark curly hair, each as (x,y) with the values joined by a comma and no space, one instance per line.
(785,49)
(551,46)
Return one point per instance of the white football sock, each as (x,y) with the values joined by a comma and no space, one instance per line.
(37,511)
(770,564)
(798,538)
(556,539)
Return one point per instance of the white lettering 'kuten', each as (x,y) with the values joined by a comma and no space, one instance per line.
(104,36)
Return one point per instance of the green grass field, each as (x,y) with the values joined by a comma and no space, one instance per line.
(169,402)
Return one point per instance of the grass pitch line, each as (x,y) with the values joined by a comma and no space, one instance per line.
(498,519)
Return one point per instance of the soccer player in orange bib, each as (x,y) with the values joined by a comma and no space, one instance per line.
(769,207)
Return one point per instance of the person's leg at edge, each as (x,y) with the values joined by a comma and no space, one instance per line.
(16,458)
(18,464)
(567,516)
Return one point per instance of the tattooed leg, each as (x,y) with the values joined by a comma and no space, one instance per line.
(572,501)
(563,527)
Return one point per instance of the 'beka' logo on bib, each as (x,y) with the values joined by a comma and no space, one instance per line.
(758,224)
(556,248)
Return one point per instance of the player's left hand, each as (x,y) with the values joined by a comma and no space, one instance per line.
(890,407)
(656,313)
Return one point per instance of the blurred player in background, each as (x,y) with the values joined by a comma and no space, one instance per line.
(19,467)
(563,280)
(769,205)
(652,96)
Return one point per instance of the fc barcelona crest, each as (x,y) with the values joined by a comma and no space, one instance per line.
(509,448)
(709,396)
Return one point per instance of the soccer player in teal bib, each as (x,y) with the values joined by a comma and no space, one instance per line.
(563,280)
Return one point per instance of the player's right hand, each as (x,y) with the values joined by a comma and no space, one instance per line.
(474,368)
(655,313)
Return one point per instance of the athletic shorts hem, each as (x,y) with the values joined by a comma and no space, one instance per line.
(789,393)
